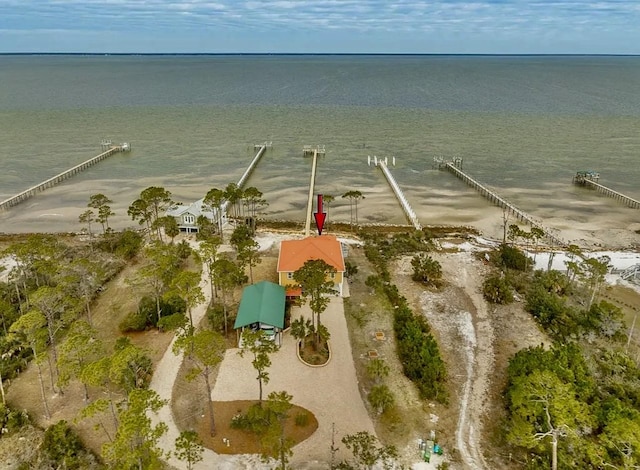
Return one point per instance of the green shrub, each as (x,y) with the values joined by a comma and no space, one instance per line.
(147,314)
(426,270)
(215,315)
(381,398)
(134,321)
(172,322)
(126,244)
(350,269)
(183,250)
(63,447)
(11,420)
(497,290)
(512,258)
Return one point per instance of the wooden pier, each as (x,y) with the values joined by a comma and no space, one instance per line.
(404,203)
(589,179)
(32,191)
(261,148)
(312,183)
(453,167)
(245,176)
(310,151)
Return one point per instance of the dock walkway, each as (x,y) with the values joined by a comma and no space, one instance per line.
(404,203)
(245,176)
(32,191)
(586,181)
(501,202)
(312,183)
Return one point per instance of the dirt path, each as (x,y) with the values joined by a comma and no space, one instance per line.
(459,315)
(476,341)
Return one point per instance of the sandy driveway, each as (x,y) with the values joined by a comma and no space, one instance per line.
(330,392)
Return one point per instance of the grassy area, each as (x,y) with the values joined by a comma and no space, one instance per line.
(370,323)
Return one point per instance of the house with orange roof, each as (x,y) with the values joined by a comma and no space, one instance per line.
(294,253)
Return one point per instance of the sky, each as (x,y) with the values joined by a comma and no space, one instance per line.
(321,26)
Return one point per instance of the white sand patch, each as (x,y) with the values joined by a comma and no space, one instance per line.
(619,259)
(8,263)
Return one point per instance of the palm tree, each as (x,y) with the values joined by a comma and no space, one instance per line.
(353,197)
(328,200)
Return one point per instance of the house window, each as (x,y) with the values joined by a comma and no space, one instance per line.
(189,219)
(289,275)
(332,275)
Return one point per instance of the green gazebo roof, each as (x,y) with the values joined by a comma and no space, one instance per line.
(262,302)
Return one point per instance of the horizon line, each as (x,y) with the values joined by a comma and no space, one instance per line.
(432,54)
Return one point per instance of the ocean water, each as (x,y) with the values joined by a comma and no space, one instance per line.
(523,126)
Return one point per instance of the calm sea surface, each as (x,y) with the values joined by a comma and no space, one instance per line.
(523,125)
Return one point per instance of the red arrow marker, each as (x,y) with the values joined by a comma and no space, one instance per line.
(320,216)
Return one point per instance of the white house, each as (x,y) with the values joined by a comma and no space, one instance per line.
(187,215)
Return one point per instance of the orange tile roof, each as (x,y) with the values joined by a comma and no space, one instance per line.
(294,253)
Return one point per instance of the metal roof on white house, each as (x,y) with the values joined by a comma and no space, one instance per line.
(195,208)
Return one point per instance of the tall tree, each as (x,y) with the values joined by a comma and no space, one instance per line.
(593,274)
(214,200)
(189,448)
(227,275)
(55,305)
(155,200)
(259,346)
(253,201)
(328,201)
(100,203)
(233,195)
(135,445)
(206,350)
(537,234)
(139,210)
(275,443)
(209,254)
(187,285)
(82,278)
(543,406)
(80,348)
(170,226)
(157,274)
(312,277)
(30,330)
(353,196)
(86,218)
(246,247)
(573,265)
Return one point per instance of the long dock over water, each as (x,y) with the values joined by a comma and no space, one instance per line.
(588,178)
(245,176)
(499,201)
(316,151)
(32,191)
(404,203)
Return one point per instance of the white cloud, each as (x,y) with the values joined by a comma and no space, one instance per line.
(263,17)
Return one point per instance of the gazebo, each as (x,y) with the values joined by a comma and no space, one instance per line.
(262,307)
